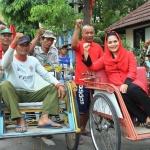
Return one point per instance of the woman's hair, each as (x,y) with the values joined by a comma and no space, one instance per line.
(109,33)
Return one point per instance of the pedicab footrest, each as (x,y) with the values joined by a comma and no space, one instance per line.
(32,106)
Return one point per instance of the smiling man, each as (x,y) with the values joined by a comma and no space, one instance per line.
(5,40)
(19,86)
(47,49)
(83,94)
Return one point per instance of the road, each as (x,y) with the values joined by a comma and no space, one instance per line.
(26,143)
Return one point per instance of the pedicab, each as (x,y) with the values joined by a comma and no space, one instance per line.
(109,118)
(68,112)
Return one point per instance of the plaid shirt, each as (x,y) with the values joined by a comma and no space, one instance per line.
(51,56)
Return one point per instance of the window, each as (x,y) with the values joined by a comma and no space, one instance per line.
(139,36)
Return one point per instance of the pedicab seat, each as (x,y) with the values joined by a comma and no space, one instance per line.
(141,75)
(35,106)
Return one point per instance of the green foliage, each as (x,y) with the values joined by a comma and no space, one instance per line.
(56,15)
(107,12)
(17,13)
(99,38)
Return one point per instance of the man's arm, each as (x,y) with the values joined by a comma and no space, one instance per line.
(74,43)
(8,57)
(2,27)
(36,38)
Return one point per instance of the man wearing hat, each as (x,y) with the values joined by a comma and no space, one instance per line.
(49,52)
(19,86)
(5,40)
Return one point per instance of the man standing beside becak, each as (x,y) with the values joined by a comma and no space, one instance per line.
(83,94)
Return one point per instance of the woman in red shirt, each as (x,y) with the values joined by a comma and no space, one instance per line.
(121,69)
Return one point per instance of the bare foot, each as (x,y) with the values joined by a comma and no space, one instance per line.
(20,125)
(44,120)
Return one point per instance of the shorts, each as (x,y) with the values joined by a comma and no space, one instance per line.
(83,99)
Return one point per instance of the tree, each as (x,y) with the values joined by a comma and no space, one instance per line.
(57,15)
(105,13)
(17,13)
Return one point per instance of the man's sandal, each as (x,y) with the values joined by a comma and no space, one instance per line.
(21,131)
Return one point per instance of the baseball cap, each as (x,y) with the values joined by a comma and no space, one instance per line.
(48,34)
(5,31)
(24,39)
(61,46)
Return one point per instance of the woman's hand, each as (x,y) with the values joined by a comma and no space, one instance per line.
(123,88)
(86,47)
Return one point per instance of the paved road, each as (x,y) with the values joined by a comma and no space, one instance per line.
(26,143)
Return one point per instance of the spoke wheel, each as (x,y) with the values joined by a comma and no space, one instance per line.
(72,139)
(104,124)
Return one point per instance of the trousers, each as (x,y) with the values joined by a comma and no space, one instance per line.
(135,97)
(11,98)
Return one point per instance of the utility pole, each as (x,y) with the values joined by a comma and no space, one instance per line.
(86,11)
(75,3)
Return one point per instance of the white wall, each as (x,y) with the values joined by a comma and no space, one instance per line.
(129,37)
(129,33)
(147,33)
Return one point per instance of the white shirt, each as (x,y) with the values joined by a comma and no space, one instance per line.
(22,74)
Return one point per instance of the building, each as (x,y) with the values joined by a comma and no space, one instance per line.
(136,26)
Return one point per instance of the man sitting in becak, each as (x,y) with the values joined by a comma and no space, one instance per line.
(19,86)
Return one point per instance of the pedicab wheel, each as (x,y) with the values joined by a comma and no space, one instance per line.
(72,139)
(104,124)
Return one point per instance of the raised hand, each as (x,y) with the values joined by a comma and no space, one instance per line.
(17,38)
(86,47)
(2,27)
(41,31)
(79,22)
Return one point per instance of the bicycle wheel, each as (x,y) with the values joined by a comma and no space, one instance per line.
(72,139)
(104,124)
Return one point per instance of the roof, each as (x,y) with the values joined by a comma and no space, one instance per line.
(138,16)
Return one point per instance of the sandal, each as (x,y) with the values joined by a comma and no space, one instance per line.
(81,141)
(86,134)
(23,129)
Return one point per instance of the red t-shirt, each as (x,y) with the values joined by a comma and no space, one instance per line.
(0,51)
(95,53)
